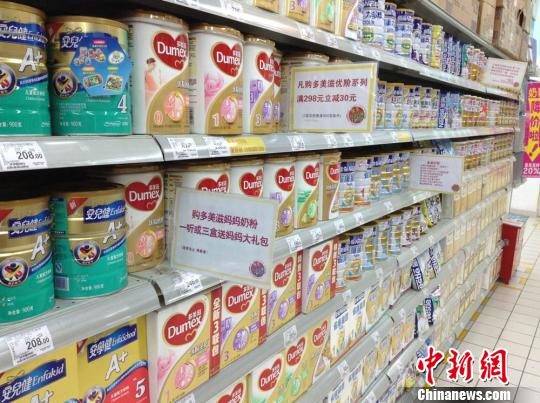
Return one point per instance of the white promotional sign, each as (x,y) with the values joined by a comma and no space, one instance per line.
(436,173)
(227,236)
(336,98)
(507,74)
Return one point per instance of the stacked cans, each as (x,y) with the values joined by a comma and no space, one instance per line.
(390,27)
(381,103)
(416,39)
(437,44)
(404,31)
(425,43)
(373,28)
(394,105)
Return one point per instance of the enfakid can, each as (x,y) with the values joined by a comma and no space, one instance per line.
(277,89)
(307,190)
(23,71)
(89,234)
(159,49)
(437,44)
(247,177)
(216,73)
(329,186)
(342,262)
(279,184)
(26,268)
(74,110)
(405,15)
(145,211)
(258,85)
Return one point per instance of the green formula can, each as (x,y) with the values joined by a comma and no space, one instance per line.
(89,240)
(24,99)
(89,84)
(26,269)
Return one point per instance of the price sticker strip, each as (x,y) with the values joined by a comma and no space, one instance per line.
(184,148)
(29,345)
(217,147)
(21,155)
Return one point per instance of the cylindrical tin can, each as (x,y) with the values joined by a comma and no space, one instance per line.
(375,185)
(373,26)
(356,255)
(381,240)
(23,71)
(159,49)
(89,240)
(387,173)
(415,222)
(425,106)
(270,5)
(349,22)
(389,34)
(393,105)
(247,177)
(368,238)
(390,9)
(258,85)
(26,268)
(329,203)
(406,226)
(405,15)
(435,98)
(378,4)
(216,74)
(346,184)
(362,180)
(425,43)
(416,39)
(79,49)
(145,213)
(394,242)
(307,190)
(397,179)
(404,39)
(381,104)
(437,44)
(277,89)
(342,262)
(279,184)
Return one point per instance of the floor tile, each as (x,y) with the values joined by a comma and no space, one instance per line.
(536,342)
(514,348)
(526,395)
(533,282)
(498,313)
(530,381)
(522,301)
(516,362)
(515,326)
(488,330)
(475,349)
(490,320)
(505,306)
(509,298)
(525,310)
(530,295)
(481,340)
(517,337)
(521,318)
(532,367)
(534,354)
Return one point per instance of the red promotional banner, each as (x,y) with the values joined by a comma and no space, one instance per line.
(531,157)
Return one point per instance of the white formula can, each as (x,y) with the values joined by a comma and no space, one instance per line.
(247,177)
(159,49)
(216,68)
(277,88)
(258,85)
(306,200)
(278,184)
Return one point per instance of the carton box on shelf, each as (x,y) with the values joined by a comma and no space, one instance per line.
(267,381)
(465,11)
(486,19)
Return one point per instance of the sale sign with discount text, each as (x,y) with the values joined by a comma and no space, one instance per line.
(436,173)
(531,156)
(225,235)
(336,98)
(505,74)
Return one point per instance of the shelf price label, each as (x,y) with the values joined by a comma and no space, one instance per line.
(30,344)
(331,40)
(331,140)
(368,138)
(343,368)
(217,147)
(389,206)
(290,335)
(359,218)
(348,140)
(347,295)
(188,283)
(297,143)
(184,148)
(295,243)
(21,155)
(306,32)
(316,234)
(232,8)
(340,226)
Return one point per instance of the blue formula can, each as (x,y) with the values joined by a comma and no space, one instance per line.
(24,98)
(26,269)
(89,240)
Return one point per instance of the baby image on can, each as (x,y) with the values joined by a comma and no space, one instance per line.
(216,66)
(159,48)
(23,71)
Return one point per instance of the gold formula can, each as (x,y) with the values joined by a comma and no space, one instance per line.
(329,186)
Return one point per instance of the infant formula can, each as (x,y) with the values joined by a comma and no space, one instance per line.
(267,381)
(393,105)
(389,34)
(356,255)
(378,4)
(408,117)
(307,190)
(387,172)
(368,238)
(285,293)
(425,43)
(329,186)
(26,268)
(405,15)
(425,106)
(270,5)
(319,274)
(298,10)
(89,239)
(346,184)
(323,15)
(362,181)
(394,242)
(416,38)
(375,185)
(381,104)
(381,241)
(397,177)
(145,210)
(437,43)
(23,71)
(342,262)
(276,103)
(306,59)
(373,27)
(278,184)
(434,113)
(404,39)
(349,22)
(216,65)
(247,177)
(159,48)
(86,98)
(405,169)
(258,85)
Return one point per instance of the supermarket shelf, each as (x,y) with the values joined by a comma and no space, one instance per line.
(376,390)
(73,320)
(76,151)
(332,377)
(301,239)
(435,15)
(445,134)
(287,32)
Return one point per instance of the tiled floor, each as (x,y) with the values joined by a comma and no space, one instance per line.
(509,317)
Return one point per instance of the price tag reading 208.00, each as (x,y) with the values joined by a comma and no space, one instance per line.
(20,155)
(26,346)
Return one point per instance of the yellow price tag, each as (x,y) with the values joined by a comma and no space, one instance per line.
(402,136)
(246,145)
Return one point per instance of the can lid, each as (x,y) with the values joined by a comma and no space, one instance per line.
(218,166)
(128,169)
(340,60)
(390,5)
(298,57)
(308,156)
(427,24)
(280,158)
(21,7)
(240,162)
(358,231)
(82,18)
(94,188)
(217,29)
(278,53)
(157,16)
(405,10)
(261,41)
